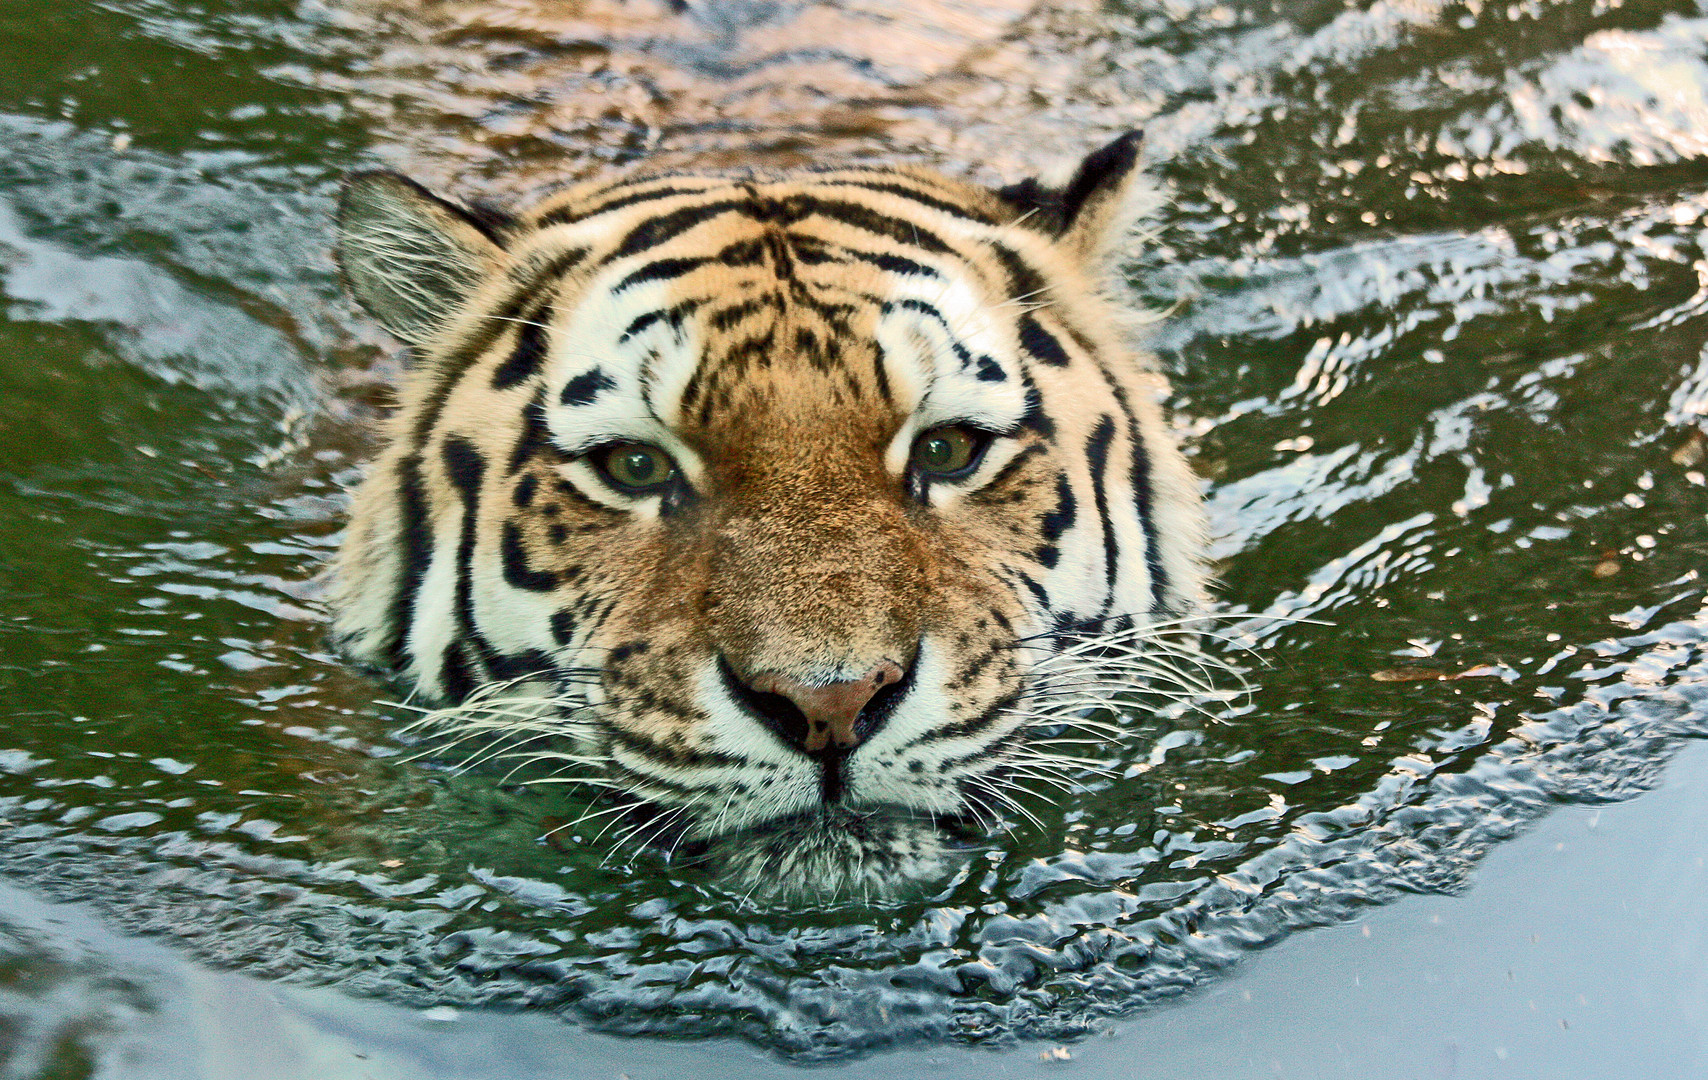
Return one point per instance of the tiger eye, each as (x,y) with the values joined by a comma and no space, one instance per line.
(945,451)
(636,467)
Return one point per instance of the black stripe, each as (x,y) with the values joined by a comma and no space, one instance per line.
(833,313)
(1140,476)
(530,351)
(883,260)
(520,665)
(1062,629)
(1034,418)
(1041,343)
(455,680)
(465,467)
(1036,590)
(996,750)
(659,270)
(673,316)
(1025,282)
(417,555)
(966,675)
(807,345)
(1141,479)
(569,215)
(597,613)
(559,265)
(655,231)
(563,627)
(534,435)
(752,350)
(924,308)
(726,317)
(1097,459)
(953,209)
(451,369)
(671,756)
(1060,520)
(1056,522)
(517,572)
(782,257)
(880,374)
(567,490)
(867,219)
(743,253)
(586,386)
(962,353)
(690,394)
(523,495)
(964,727)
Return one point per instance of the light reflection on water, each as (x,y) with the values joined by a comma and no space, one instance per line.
(1439,349)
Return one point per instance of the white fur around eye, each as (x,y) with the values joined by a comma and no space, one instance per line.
(951,360)
(639,375)
(939,493)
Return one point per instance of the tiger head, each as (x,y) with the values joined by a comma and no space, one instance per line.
(790,502)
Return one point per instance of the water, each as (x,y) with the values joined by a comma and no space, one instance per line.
(1441,280)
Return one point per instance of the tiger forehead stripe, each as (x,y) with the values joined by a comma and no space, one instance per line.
(584,202)
(782,210)
(623,194)
(574,213)
(891,187)
(680,212)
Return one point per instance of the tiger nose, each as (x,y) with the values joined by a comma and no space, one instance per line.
(830,709)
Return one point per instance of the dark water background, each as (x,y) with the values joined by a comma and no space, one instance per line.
(1442,284)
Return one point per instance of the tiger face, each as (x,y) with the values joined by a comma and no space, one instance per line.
(788,502)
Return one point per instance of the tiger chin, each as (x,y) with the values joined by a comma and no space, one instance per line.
(799,511)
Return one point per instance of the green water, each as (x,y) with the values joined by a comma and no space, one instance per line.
(1442,284)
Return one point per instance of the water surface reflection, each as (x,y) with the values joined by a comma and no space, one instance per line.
(1439,347)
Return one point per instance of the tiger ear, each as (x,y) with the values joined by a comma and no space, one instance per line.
(1093,210)
(410,257)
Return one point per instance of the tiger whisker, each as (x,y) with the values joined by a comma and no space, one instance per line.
(979,808)
(991,787)
(663,823)
(590,815)
(1054,781)
(1065,761)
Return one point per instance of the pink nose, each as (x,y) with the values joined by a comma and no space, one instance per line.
(830,709)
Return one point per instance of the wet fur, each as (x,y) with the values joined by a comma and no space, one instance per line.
(785,338)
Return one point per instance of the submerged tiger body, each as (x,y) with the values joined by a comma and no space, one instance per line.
(792,505)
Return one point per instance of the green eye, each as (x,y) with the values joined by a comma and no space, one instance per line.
(634,468)
(948,452)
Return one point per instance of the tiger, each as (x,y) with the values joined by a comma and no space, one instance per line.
(795,509)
